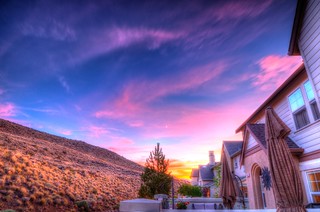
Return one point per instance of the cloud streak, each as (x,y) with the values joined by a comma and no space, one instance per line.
(137,94)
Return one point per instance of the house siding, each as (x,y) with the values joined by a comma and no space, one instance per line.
(239,171)
(308,137)
(309,42)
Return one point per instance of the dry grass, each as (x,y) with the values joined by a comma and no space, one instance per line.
(42,172)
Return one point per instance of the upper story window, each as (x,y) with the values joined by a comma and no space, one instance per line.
(312,100)
(299,109)
(296,100)
(302,101)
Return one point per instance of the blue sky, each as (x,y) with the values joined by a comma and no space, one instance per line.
(125,75)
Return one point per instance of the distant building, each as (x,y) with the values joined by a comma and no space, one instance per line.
(203,176)
(232,150)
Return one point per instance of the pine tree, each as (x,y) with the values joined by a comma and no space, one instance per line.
(155,178)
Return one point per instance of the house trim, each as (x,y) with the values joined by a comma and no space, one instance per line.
(310,156)
(253,150)
(296,28)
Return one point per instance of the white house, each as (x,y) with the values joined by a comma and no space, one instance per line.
(296,101)
(305,41)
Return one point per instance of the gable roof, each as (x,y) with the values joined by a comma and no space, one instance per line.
(266,103)
(296,28)
(258,130)
(233,147)
(258,133)
(205,172)
(195,173)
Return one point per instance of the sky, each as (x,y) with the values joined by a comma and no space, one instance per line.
(126,75)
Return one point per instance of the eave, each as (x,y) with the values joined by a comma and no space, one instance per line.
(270,98)
(296,28)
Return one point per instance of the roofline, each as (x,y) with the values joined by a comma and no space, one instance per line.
(237,152)
(296,28)
(273,95)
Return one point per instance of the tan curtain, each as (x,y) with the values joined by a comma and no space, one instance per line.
(227,189)
(286,182)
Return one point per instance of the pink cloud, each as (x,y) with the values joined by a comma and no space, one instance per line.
(274,70)
(139,93)
(129,148)
(96,131)
(7,110)
(65,132)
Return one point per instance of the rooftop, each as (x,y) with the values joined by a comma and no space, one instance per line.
(233,147)
(258,131)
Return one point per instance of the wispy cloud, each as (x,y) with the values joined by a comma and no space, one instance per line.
(64,84)
(240,9)
(102,41)
(48,29)
(139,93)
(42,110)
(274,70)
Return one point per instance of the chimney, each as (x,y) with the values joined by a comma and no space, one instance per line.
(211,158)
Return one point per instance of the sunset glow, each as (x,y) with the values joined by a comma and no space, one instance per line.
(125,75)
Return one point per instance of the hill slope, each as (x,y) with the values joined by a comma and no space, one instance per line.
(40,171)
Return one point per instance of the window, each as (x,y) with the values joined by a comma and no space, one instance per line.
(298,108)
(304,106)
(314,185)
(312,101)
(296,100)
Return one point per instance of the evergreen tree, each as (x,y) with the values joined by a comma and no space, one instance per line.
(155,178)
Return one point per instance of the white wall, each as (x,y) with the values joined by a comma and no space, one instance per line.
(238,171)
(251,142)
(309,42)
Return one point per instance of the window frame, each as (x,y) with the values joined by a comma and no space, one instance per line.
(311,193)
(310,114)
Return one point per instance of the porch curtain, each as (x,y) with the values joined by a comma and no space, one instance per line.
(227,189)
(286,181)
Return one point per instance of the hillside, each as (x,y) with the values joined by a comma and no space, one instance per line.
(39,171)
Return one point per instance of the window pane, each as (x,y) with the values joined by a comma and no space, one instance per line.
(317,176)
(313,186)
(316,198)
(311,177)
(301,118)
(309,91)
(315,110)
(296,100)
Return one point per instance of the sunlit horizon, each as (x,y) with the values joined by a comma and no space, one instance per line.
(125,76)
